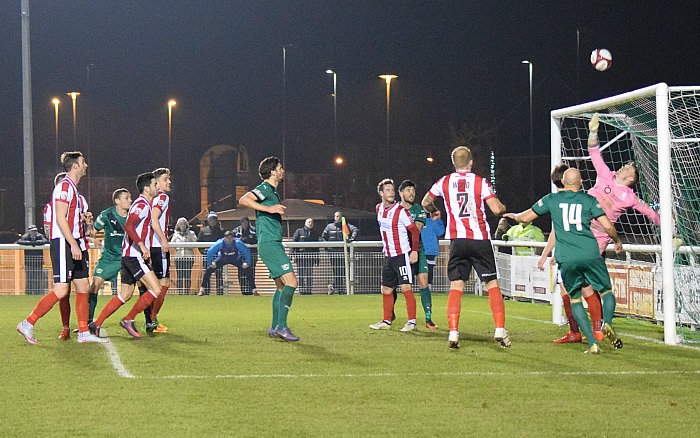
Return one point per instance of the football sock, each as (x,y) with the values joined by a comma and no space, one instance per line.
(454,307)
(64,308)
(115,303)
(600,301)
(608,306)
(81,309)
(147,311)
(275,308)
(573,325)
(286,297)
(144,301)
(410,304)
(92,303)
(497,307)
(426,301)
(595,310)
(582,319)
(42,308)
(158,303)
(387,306)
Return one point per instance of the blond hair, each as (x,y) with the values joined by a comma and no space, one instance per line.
(461,157)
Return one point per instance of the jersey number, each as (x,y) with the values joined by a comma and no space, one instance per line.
(571,215)
(463,200)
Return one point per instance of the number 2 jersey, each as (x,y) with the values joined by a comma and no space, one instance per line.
(465,195)
(572,213)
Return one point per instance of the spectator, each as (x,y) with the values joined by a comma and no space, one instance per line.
(34,261)
(334,233)
(211,233)
(500,234)
(432,231)
(306,257)
(525,232)
(184,257)
(246,232)
(226,251)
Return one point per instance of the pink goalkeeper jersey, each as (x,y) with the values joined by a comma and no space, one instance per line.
(465,195)
(162,203)
(614,199)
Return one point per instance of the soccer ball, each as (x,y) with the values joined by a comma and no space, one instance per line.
(601,59)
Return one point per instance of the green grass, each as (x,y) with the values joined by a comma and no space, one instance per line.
(216,373)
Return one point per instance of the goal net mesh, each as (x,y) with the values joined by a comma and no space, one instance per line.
(628,132)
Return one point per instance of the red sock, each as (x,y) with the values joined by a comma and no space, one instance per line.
(497,307)
(410,304)
(42,308)
(595,310)
(454,307)
(111,307)
(158,303)
(144,301)
(64,307)
(82,310)
(573,325)
(388,306)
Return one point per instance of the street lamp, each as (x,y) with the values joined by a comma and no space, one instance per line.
(335,110)
(529,64)
(284,114)
(74,95)
(388,79)
(55,102)
(171,104)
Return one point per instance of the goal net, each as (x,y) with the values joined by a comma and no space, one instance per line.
(657,128)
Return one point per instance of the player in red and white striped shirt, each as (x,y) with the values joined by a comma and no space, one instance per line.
(466,196)
(160,255)
(135,253)
(400,238)
(69,250)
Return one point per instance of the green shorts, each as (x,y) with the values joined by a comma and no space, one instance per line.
(593,272)
(107,269)
(275,258)
(421,266)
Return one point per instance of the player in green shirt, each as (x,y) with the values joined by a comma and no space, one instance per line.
(407,191)
(577,252)
(112,221)
(268,225)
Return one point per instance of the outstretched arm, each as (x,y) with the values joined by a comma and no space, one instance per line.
(525,216)
(647,211)
(593,146)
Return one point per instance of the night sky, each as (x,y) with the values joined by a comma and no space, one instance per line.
(457,61)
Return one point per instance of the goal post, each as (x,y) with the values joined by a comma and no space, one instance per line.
(657,127)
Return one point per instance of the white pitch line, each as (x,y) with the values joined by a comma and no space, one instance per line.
(116,360)
(402,375)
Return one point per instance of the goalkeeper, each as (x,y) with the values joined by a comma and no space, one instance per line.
(613,190)
(226,251)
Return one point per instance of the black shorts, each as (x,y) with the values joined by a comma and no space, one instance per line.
(468,253)
(133,269)
(396,270)
(160,262)
(65,268)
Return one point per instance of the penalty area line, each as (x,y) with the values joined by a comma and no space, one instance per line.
(116,360)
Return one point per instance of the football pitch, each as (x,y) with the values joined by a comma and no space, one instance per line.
(216,373)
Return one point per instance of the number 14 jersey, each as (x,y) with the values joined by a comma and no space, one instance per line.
(465,195)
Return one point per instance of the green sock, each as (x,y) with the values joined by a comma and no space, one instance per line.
(427,301)
(584,323)
(92,302)
(285,304)
(275,308)
(608,307)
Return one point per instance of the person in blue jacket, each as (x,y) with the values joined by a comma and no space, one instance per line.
(226,251)
(430,234)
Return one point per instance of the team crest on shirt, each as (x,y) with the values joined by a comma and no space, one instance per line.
(540,203)
(258,194)
(285,266)
(64,195)
(138,210)
(160,202)
(597,205)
